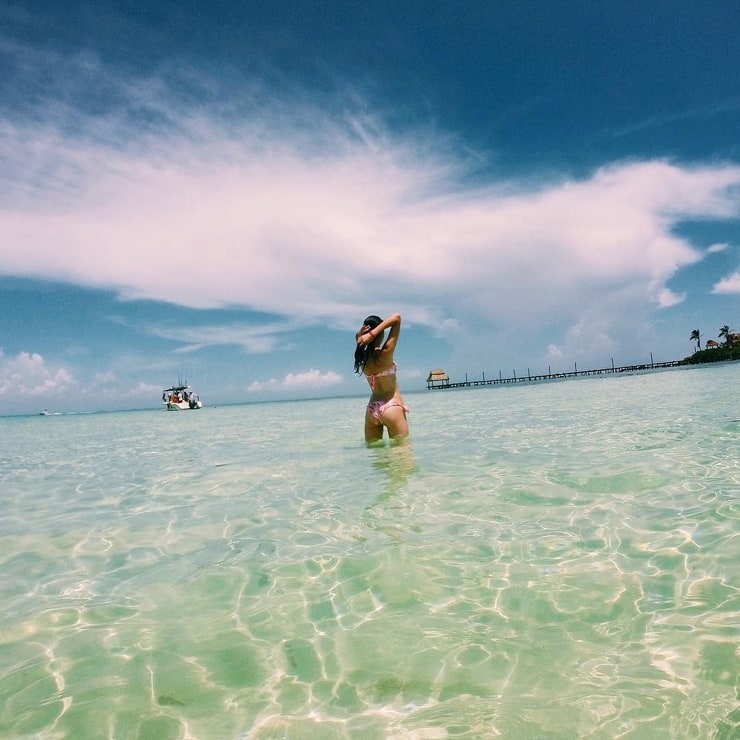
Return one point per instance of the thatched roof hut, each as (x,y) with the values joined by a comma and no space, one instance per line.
(437,376)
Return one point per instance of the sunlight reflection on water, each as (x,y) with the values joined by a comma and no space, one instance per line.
(550,561)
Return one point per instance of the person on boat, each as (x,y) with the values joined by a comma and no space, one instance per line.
(374,359)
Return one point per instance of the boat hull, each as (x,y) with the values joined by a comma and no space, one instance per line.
(183,406)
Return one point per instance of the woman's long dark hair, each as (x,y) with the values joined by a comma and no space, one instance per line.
(362,353)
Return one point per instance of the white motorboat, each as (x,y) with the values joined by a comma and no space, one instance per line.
(181,398)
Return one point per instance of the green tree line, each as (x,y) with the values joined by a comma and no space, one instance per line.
(727,350)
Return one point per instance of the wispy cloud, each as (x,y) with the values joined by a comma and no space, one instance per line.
(217,224)
(719,247)
(253,339)
(312,214)
(687,114)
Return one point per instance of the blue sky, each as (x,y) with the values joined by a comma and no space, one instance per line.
(222,191)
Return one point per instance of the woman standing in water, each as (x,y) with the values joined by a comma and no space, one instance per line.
(374,359)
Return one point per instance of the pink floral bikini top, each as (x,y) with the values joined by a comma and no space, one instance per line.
(390,371)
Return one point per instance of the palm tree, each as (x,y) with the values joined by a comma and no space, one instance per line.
(696,337)
(724,333)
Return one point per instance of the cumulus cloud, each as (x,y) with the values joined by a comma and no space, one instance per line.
(27,376)
(102,383)
(729,284)
(554,353)
(298,381)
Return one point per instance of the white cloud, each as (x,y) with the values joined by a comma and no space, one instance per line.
(667,298)
(729,284)
(311,379)
(102,383)
(27,380)
(253,339)
(302,235)
(719,247)
(554,353)
(313,216)
(27,375)
(298,381)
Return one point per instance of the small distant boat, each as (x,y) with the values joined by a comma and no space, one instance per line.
(181,398)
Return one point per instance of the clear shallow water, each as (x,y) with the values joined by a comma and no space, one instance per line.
(551,561)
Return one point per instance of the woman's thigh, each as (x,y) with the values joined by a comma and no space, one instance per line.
(373,429)
(394,419)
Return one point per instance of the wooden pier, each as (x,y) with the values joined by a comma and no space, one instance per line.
(529,378)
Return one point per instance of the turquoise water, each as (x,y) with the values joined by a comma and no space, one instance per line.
(552,561)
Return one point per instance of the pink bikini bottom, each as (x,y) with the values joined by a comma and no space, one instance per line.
(378,408)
